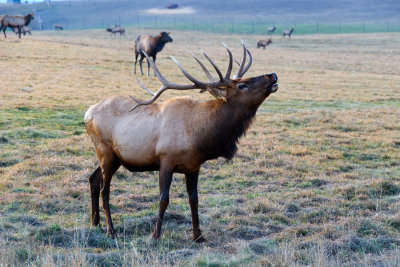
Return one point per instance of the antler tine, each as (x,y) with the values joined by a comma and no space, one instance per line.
(156,71)
(190,77)
(140,102)
(144,87)
(221,78)
(248,64)
(240,73)
(209,76)
(228,72)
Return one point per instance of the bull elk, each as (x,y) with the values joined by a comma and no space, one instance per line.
(175,136)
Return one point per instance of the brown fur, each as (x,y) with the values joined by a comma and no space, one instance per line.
(151,45)
(264,43)
(58,27)
(176,136)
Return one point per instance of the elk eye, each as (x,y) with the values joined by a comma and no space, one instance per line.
(242,86)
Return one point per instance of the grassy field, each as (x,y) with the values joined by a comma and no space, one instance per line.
(316,181)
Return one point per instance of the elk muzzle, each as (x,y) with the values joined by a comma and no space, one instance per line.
(274,79)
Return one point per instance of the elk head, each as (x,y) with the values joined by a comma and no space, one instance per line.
(243,92)
(165,38)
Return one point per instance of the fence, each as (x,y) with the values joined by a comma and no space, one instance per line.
(218,25)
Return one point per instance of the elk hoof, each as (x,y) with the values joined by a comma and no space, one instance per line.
(112,234)
(199,239)
(155,236)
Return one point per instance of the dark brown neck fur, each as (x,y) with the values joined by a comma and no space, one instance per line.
(221,131)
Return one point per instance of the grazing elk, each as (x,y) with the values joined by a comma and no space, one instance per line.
(150,45)
(175,136)
(271,30)
(58,27)
(116,29)
(17,21)
(264,43)
(288,32)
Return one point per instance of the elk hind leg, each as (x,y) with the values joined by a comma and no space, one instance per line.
(136,56)
(191,188)
(109,165)
(95,183)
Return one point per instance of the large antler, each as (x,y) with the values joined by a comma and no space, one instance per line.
(213,86)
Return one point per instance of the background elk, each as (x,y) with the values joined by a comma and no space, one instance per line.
(175,136)
(271,29)
(15,22)
(116,29)
(264,43)
(287,32)
(58,27)
(151,45)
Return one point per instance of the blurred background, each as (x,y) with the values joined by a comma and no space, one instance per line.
(305,16)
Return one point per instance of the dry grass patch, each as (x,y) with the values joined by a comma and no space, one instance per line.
(315,181)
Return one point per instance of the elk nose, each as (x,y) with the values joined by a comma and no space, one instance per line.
(274,77)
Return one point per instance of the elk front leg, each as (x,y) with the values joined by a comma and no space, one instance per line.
(148,68)
(164,184)
(154,60)
(109,165)
(95,183)
(191,187)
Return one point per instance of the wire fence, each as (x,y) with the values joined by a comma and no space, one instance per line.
(218,25)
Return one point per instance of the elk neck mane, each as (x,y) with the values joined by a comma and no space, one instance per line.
(220,131)
(158,44)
